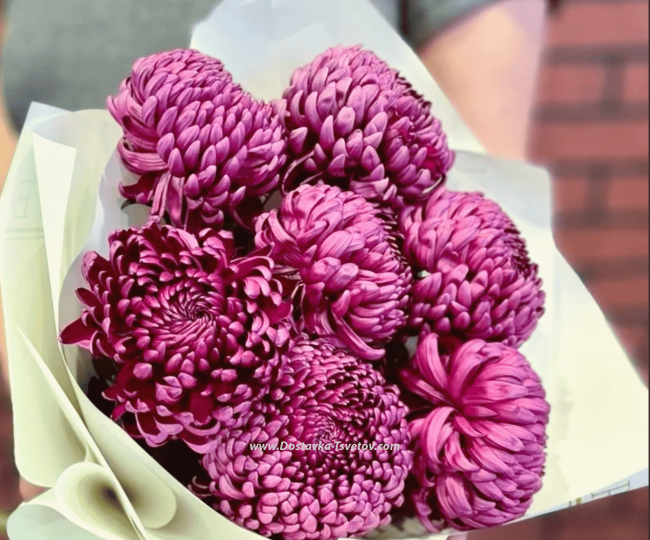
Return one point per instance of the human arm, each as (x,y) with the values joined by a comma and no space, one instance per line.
(487,63)
(7,147)
(8,140)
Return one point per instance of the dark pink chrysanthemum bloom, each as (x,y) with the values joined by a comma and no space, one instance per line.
(202,145)
(195,334)
(480,446)
(479,281)
(354,122)
(336,455)
(353,284)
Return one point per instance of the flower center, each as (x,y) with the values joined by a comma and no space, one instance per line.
(187,312)
(193,301)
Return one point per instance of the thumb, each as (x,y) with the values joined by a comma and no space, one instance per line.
(462,536)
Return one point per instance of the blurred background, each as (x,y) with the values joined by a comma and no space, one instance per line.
(591,129)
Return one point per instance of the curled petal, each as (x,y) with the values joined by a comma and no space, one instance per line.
(478,281)
(339,251)
(182,116)
(190,332)
(479,445)
(326,459)
(352,116)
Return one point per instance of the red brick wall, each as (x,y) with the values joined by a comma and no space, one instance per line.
(591,128)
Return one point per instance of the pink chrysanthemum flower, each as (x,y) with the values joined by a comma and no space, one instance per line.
(195,333)
(353,285)
(479,440)
(354,122)
(327,461)
(478,280)
(202,146)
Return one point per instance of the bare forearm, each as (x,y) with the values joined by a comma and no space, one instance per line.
(7,135)
(7,144)
(488,65)
(7,147)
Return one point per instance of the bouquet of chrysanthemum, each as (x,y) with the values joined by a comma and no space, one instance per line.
(292,314)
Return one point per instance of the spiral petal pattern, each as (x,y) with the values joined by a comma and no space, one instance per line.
(354,122)
(202,146)
(327,461)
(195,334)
(480,446)
(353,285)
(478,281)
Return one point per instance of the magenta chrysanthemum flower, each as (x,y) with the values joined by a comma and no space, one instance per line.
(335,457)
(479,280)
(479,449)
(195,333)
(353,284)
(355,122)
(202,145)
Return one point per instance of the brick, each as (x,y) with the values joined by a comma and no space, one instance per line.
(571,84)
(591,245)
(630,504)
(598,520)
(606,526)
(644,373)
(531,529)
(586,529)
(618,268)
(9,496)
(585,140)
(600,23)
(601,520)
(570,194)
(633,338)
(617,293)
(638,501)
(628,193)
(635,83)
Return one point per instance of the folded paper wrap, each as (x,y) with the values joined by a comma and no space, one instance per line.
(61,198)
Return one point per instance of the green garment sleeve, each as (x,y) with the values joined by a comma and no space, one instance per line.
(426,17)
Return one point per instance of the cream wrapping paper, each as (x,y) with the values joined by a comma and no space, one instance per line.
(61,199)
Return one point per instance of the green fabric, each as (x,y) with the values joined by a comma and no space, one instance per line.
(426,17)
(73,53)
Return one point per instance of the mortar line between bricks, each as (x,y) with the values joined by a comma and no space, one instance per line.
(598,181)
(631,220)
(618,167)
(603,111)
(629,315)
(591,55)
(630,324)
(619,268)
(619,310)
(612,98)
(612,280)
